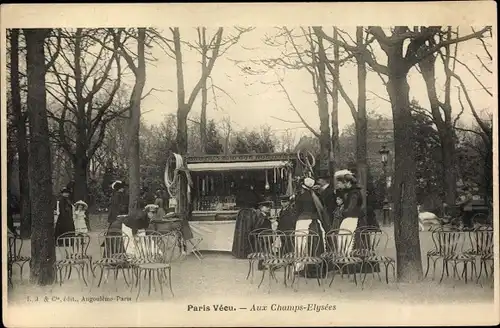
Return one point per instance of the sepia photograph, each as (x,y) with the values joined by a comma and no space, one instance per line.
(298,164)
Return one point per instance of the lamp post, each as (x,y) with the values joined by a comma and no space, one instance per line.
(384,152)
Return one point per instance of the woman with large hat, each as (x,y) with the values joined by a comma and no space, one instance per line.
(311,216)
(119,201)
(63,214)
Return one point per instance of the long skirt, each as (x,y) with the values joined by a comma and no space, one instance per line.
(245,223)
(316,248)
(353,224)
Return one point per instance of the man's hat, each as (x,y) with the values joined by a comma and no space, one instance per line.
(267,203)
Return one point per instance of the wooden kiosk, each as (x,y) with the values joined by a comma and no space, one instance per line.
(217,179)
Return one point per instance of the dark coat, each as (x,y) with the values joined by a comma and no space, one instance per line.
(304,205)
(329,199)
(119,206)
(65,221)
(353,203)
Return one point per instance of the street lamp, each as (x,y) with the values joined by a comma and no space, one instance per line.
(384,154)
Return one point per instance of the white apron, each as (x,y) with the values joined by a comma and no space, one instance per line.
(301,247)
(349,224)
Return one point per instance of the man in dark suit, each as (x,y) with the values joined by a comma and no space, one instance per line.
(327,195)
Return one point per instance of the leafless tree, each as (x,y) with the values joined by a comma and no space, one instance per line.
(42,237)
(399,62)
(82,83)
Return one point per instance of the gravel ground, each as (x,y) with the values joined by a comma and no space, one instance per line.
(219,276)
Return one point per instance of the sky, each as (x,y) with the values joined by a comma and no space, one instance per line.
(251,101)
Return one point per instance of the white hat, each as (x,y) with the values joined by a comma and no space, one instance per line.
(308,183)
(81,202)
(151,207)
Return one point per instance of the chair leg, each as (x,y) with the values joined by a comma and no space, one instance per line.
(262,279)
(170,281)
(149,281)
(445,264)
(83,274)
(138,283)
(249,268)
(428,262)
(158,274)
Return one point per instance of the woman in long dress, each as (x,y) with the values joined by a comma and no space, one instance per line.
(119,201)
(311,217)
(64,214)
(354,216)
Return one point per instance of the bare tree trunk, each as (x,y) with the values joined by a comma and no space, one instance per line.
(449,165)
(361,120)
(22,143)
(325,162)
(134,170)
(406,232)
(42,225)
(335,103)
(80,169)
(204,93)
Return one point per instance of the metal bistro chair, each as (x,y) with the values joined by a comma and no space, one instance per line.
(270,243)
(450,246)
(374,244)
(73,248)
(113,255)
(15,257)
(339,252)
(434,254)
(154,260)
(305,252)
(256,252)
(481,241)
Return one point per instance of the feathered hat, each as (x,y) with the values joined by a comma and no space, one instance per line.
(151,208)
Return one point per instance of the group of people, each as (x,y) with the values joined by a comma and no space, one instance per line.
(317,206)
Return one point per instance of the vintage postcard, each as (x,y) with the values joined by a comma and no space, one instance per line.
(249,164)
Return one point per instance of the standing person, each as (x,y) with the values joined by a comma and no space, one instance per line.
(64,213)
(79,217)
(338,214)
(119,201)
(311,217)
(159,202)
(353,204)
(327,195)
(465,204)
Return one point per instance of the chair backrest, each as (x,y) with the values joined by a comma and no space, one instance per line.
(481,241)
(170,247)
(306,243)
(448,242)
(373,240)
(253,240)
(339,242)
(14,252)
(149,247)
(113,245)
(72,244)
(271,242)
